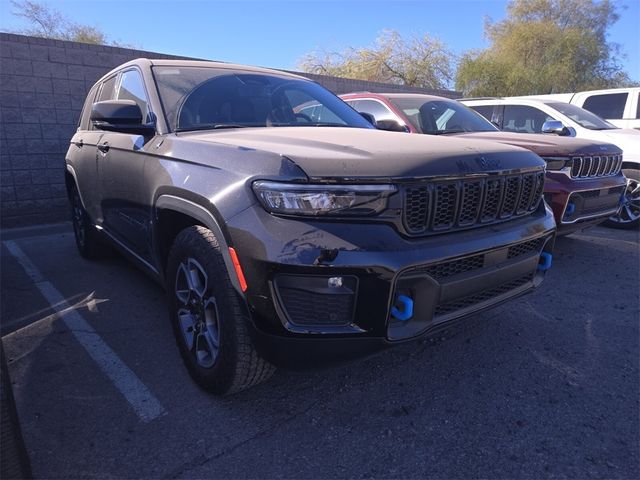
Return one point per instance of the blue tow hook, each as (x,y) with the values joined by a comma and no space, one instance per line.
(571,207)
(406,311)
(545,261)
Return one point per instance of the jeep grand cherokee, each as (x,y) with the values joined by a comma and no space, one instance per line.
(584,183)
(276,235)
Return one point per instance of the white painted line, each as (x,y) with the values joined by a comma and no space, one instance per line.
(146,406)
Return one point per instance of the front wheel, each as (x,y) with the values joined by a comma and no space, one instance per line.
(208,321)
(629,215)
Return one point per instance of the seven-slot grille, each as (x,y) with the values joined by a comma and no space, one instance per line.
(596,166)
(440,206)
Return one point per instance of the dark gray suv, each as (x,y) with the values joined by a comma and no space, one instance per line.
(279,236)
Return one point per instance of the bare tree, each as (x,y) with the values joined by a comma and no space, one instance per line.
(420,61)
(45,21)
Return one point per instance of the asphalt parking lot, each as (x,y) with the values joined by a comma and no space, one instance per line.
(546,386)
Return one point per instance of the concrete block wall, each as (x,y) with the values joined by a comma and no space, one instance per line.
(43,84)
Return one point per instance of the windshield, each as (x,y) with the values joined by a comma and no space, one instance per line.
(438,117)
(200,98)
(582,117)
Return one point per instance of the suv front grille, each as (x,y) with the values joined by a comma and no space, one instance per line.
(436,207)
(596,166)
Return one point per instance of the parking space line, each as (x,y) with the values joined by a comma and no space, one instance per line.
(144,403)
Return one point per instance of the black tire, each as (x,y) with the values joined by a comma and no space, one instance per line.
(207,319)
(629,216)
(88,240)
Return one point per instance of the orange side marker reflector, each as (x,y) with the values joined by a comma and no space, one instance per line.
(236,265)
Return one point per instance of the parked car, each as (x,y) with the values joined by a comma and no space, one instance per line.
(618,106)
(583,180)
(279,237)
(531,115)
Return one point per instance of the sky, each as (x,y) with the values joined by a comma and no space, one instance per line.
(278,34)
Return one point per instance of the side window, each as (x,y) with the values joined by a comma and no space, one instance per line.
(485,110)
(638,107)
(610,105)
(83,123)
(106,92)
(132,88)
(372,107)
(524,119)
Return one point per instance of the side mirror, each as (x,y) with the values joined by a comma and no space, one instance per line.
(120,116)
(555,126)
(391,126)
(368,117)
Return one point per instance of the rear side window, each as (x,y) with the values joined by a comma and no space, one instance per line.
(610,105)
(106,92)
(638,107)
(524,119)
(485,110)
(132,88)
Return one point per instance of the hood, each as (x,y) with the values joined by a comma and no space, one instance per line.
(547,145)
(355,153)
(627,139)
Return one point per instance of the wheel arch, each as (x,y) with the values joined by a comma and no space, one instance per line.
(630,164)
(173,214)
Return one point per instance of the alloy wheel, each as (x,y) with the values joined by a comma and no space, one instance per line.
(78,219)
(630,210)
(197,313)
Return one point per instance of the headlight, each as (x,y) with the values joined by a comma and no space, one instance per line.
(557,163)
(304,199)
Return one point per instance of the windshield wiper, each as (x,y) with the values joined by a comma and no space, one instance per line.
(216,126)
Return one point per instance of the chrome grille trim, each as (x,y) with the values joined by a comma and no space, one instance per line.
(597,166)
(438,206)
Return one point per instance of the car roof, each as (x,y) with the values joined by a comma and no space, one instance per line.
(393,95)
(510,100)
(149,62)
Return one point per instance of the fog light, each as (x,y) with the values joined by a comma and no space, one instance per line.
(334,282)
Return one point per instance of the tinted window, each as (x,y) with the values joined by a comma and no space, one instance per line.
(86,109)
(485,110)
(106,93)
(132,88)
(610,105)
(581,116)
(524,119)
(209,98)
(375,108)
(437,117)
(638,108)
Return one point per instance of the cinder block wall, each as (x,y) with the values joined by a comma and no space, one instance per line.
(43,84)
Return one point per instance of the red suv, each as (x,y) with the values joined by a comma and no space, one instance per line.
(583,185)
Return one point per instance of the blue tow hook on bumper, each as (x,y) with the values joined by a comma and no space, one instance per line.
(545,261)
(571,207)
(405,312)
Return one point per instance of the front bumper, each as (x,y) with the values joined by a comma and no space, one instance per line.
(584,202)
(448,276)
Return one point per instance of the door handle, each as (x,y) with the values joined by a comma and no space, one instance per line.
(103,147)
(79,143)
